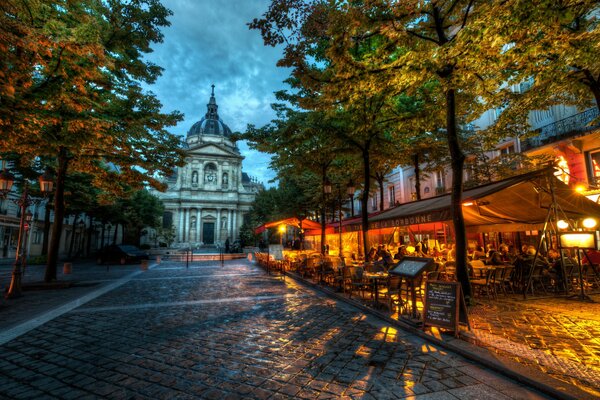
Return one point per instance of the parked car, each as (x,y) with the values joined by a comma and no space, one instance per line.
(121,254)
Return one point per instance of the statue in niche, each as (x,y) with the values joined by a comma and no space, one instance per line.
(195,177)
(225,180)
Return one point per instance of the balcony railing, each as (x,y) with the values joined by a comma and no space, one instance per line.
(565,128)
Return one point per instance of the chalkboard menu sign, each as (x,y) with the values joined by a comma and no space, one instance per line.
(444,305)
(412,266)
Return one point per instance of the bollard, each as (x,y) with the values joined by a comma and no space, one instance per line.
(67,268)
(144,265)
(249,256)
(158,259)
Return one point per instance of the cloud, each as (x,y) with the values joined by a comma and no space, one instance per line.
(208,43)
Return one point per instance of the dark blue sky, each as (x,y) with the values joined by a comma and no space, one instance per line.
(209,42)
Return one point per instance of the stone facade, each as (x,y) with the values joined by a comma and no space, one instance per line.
(208,198)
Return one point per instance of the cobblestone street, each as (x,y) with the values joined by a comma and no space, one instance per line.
(230,332)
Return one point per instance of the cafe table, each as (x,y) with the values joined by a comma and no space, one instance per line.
(374,278)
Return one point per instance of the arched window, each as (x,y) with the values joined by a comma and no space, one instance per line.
(210,174)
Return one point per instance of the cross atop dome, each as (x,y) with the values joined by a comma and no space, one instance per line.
(210,124)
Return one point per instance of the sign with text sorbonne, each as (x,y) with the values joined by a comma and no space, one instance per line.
(423,218)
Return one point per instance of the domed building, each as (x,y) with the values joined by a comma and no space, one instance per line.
(208,198)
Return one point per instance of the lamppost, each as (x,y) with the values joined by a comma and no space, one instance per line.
(579,240)
(24,201)
(350,189)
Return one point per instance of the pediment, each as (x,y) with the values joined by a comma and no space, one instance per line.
(212,149)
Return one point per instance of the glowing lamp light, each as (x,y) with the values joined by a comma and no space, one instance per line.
(589,223)
(467,203)
(580,240)
(282,228)
(580,188)
(562,224)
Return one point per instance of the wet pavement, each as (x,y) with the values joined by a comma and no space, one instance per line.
(219,332)
(557,335)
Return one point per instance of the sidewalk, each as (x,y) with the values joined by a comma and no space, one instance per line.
(86,276)
(556,335)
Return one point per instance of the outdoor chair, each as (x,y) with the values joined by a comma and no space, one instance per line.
(343,279)
(539,278)
(313,265)
(484,284)
(498,280)
(591,275)
(508,279)
(390,292)
(357,281)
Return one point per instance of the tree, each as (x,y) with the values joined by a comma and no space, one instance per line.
(140,211)
(304,145)
(378,48)
(72,84)
(552,49)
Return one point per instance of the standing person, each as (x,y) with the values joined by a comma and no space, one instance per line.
(227,245)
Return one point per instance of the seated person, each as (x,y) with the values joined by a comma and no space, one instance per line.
(451,256)
(478,253)
(419,251)
(499,257)
(402,252)
(372,254)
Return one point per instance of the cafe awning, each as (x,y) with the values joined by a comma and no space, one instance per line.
(514,204)
(296,222)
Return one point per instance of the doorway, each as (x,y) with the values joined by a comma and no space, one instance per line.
(208,232)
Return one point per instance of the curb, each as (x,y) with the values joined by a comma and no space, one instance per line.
(466,348)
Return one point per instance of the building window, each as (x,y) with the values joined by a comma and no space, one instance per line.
(507,150)
(594,167)
(392,195)
(440,180)
(37,237)
(374,202)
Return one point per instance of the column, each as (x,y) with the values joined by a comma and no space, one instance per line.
(230,224)
(186,231)
(198,222)
(218,230)
(181,223)
(235,228)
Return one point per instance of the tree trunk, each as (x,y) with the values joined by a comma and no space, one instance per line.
(323,210)
(364,201)
(380,180)
(103,235)
(457,161)
(47,225)
(73,232)
(596,92)
(59,215)
(115,234)
(90,229)
(417,169)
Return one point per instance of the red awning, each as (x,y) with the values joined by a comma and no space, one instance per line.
(304,224)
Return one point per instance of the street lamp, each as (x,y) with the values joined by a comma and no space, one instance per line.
(350,189)
(281,232)
(24,201)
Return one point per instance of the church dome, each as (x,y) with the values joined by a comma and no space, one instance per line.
(210,124)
